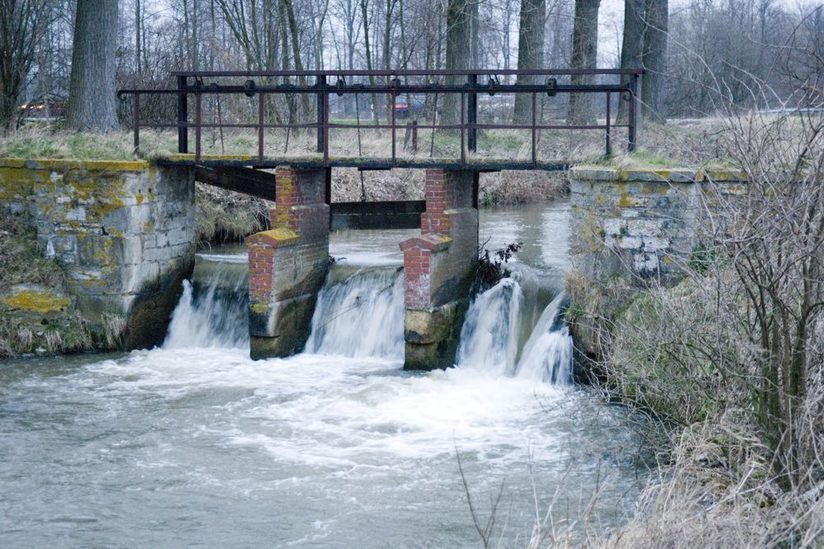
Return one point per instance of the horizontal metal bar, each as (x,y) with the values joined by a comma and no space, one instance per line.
(381,88)
(389,126)
(480,165)
(463,72)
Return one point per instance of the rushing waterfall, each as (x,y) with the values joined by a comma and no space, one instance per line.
(489,336)
(359,313)
(212,312)
(547,355)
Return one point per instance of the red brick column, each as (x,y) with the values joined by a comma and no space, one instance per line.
(288,263)
(438,268)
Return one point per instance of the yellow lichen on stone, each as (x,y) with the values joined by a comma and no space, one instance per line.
(281,234)
(37,301)
(624,201)
(259,308)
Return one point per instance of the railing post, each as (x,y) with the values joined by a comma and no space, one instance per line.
(609,116)
(534,129)
(323,116)
(463,127)
(260,126)
(182,116)
(632,115)
(136,121)
(472,113)
(394,129)
(198,121)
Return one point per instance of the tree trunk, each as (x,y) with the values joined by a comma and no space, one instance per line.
(530,53)
(138,14)
(654,58)
(92,84)
(584,56)
(365,17)
(458,54)
(632,46)
(294,38)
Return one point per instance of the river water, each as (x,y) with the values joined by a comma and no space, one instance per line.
(195,444)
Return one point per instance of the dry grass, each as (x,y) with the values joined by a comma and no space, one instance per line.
(22,259)
(228,216)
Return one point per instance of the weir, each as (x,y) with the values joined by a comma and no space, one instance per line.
(360,314)
(289,262)
(126,229)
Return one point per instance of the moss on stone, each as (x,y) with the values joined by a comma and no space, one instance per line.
(38,301)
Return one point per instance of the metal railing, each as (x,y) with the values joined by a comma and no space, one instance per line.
(466,83)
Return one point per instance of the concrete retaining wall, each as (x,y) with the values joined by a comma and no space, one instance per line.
(123,230)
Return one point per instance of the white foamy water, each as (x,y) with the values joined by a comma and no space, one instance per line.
(547,354)
(489,337)
(196,444)
(360,314)
(213,316)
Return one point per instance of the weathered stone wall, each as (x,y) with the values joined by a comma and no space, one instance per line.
(438,269)
(288,264)
(123,230)
(639,222)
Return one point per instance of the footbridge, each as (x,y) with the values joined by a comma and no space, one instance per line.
(289,129)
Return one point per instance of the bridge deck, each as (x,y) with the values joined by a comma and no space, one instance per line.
(317,161)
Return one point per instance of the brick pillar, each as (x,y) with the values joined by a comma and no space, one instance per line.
(288,264)
(438,269)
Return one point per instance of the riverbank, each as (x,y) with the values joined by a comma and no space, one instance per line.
(708,319)
(676,355)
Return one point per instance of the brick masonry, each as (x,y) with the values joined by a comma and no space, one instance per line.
(123,230)
(438,267)
(288,264)
(639,222)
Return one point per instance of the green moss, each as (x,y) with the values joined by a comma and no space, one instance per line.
(37,301)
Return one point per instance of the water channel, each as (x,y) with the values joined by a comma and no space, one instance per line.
(195,444)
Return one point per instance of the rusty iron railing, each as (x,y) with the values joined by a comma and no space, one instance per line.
(328,83)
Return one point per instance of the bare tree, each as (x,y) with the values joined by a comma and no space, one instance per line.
(458,53)
(654,59)
(22,24)
(632,45)
(92,86)
(584,56)
(530,52)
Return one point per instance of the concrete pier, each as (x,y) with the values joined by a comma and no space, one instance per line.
(288,263)
(438,269)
